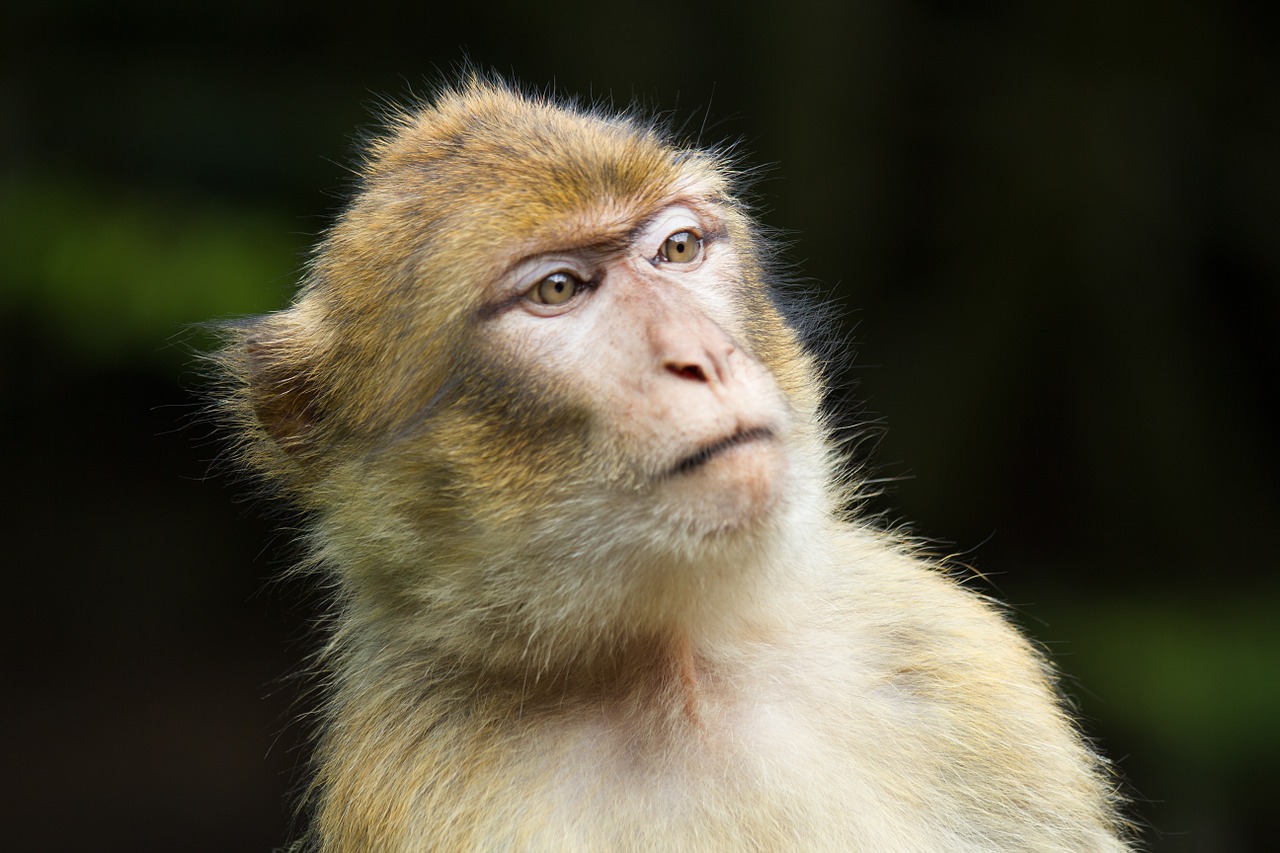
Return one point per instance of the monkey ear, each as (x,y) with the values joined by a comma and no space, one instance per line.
(282,391)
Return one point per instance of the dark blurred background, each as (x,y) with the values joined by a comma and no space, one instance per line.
(1049,229)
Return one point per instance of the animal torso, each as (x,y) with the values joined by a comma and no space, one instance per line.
(873,709)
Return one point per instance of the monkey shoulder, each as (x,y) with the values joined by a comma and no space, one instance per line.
(911,622)
(929,653)
(928,669)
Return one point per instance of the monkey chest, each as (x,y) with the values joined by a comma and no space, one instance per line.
(755,777)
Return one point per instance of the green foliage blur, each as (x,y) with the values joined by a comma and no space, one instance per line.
(1050,234)
(111,272)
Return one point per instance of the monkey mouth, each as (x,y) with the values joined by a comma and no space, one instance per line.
(706,453)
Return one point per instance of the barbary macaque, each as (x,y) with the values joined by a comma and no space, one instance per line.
(597,586)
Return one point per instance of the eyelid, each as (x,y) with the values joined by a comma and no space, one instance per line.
(532,272)
(513,286)
(674,223)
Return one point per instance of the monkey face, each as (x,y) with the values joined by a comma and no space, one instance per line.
(640,341)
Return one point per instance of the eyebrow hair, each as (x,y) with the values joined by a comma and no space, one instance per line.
(604,243)
(710,225)
(601,243)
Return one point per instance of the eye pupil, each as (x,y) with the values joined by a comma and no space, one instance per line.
(557,288)
(681,248)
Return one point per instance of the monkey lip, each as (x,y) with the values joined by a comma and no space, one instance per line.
(707,452)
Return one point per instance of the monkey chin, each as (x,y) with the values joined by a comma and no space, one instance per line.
(730,484)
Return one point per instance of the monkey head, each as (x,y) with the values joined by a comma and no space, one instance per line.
(537,337)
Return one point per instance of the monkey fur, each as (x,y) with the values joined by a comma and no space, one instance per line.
(596,586)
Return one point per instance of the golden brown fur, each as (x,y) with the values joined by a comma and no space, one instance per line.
(556,629)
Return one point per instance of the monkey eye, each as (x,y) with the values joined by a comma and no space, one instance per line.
(682,247)
(555,289)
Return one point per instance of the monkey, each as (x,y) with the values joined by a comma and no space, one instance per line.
(598,578)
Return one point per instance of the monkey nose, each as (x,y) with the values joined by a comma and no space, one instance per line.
(689,345)
(687,371)
(699,359)
(695,351)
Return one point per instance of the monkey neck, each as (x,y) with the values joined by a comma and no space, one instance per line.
(673,665)
(706,637)
(668,678)
(682,638)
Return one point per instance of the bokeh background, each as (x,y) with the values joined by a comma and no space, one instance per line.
(1049,231)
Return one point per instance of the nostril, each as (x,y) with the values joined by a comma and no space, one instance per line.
(688,371)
